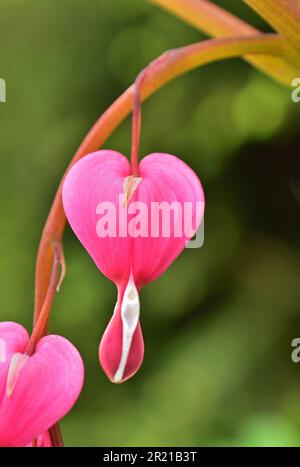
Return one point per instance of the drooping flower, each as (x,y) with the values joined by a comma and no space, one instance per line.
(35,390)
(118,219)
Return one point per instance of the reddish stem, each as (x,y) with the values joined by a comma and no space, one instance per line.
(56,436)
(136,126)
(137,114)
(41,323)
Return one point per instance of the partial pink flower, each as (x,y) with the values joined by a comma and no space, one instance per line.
(35,390)
(99,194)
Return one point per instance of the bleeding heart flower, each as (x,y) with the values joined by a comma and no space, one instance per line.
(116,217)
(35,390)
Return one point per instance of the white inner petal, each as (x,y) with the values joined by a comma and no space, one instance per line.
(129,186)
(130,313)
(17,362)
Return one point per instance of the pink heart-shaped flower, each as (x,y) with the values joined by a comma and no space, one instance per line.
(38,390)
(133,228)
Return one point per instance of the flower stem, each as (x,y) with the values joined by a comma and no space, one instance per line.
(56,436)
(136,126)
(41,323)
(283,15)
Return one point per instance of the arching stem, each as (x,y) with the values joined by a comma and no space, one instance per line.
(161,71)
(41,323)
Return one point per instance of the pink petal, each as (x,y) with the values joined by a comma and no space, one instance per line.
(165,178)
(110,349)
(13,339)
(42,441)
(95,178)
(47,387)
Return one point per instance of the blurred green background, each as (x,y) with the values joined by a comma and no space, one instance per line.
(218,325)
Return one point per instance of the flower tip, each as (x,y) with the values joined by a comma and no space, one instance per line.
(121,349)
(118,378)
(110,354)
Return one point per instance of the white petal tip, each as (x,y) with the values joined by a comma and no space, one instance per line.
(117,379)
(129,186)
(130,313)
